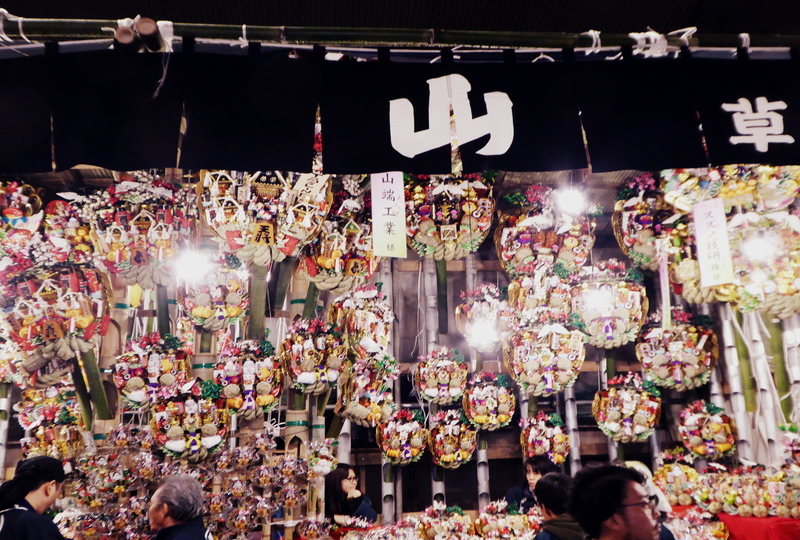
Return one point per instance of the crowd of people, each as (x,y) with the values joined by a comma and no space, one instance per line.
(607,502)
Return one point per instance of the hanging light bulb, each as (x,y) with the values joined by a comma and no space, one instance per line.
(571,201)
(597,299)
(763,248)
(193,266)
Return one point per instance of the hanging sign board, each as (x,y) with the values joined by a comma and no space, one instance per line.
(388,215)
(713,248)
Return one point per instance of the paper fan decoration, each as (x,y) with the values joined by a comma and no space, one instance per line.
(681,356)
(706,431)
(489,401)
(539,233)
(448,217)
(313,355)
(441,376)
(341,257)
(483,317)
(610,305)
(218,299)
(544,435)
(403,437)
(495,521)
(629,409)
(251,378)
(363,313)
(450,439)
(366,396)
(264,217)
(546,360)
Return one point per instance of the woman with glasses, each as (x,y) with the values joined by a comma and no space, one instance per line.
(343,499)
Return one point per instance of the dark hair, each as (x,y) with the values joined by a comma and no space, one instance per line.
(539,464)
(553,491)
(335,498)
(30,475)
(598,493)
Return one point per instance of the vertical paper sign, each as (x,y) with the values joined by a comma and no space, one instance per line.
(713,249)
(388,215)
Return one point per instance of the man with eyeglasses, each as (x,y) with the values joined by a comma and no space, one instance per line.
(611,503)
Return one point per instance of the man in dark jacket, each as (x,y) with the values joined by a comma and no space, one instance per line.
(176,511)
(553,491)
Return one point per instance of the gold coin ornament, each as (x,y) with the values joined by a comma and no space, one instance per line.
(610,304)
(537,233)
(629,409)
(192,424)
(483,317)
(637,220)
(706,431)
(251,378)
(451,440)
(313,355)
(545,435)
(675,478)
(448,217)
(139,226)
(681,356)
(441,376)
(219,298)
(366,397)
(403,437)
(363,313)
(489,401)
(341,257)
(496,521)
(264,217)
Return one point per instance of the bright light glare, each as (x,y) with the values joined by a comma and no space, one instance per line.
(597,299)
(762,249)
(482,334)
(193,266)
(571,201)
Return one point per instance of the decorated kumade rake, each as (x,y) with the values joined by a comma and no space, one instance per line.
(677,480)
(153,368)
(140,225)
(489,401)
(706,431)
(366,397)
(791,440)
(251,378)
(448,218)
(53,417)
(545,360)
(403,437)
(629,409)
(540,299)
(637,220)
(544,435)
(264,217)
(105,477)
(537,233)
(67,238)
(681,356)
(483,317)
(341,257)
(495,521)
(440,521)
(191,425)
(441,376)
(313,355)
(363,313)
(219,299)
(610,305)
(450,439)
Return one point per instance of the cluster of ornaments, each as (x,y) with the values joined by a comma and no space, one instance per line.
(441,376)
(363,313)
(313,355)
(545,435)
(629,409)
(251,378)
(706,431)
(451,440)
(366,397)
(489,401)
(219,298)
(483,317)
(497,522)
(403,437)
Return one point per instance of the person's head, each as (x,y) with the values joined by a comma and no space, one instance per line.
(179,498)
(553,491)
(663,504)
(37,480)
(536,467)
(338,484)
(611,502)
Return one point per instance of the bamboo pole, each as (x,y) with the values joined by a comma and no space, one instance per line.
(431,320)
(792,340)
(608,371)
(398,398)
(162,310)
(571,413)
(732,347)
(5,416)
(387,469)
(745,368)
(96,389)
(258,302)
(777,350)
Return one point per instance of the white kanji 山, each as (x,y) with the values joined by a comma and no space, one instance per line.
(761,127)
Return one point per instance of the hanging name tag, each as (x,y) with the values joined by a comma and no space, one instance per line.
(263,232)
(713,248)
(388,215)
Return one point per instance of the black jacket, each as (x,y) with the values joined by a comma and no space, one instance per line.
(522,496)
(361,507)
(189,530)
(22,522)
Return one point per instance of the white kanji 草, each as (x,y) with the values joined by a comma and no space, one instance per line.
(760,128)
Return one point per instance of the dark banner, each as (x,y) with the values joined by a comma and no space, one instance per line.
(640,114)
(750,110)
(111,109)
(24,116)
(381,117)
(249,114)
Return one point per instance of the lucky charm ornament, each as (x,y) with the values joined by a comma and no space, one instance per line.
(450,439)
(441,376)
(489,401)
(629,409)
(403,437)
(313,355)
(251,378)
(706,431)
(544,435)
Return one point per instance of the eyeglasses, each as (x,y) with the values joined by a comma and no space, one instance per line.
(652,500)
(352,478)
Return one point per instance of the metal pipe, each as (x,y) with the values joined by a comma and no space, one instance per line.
(387,469)
(571,413)
(432,327)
